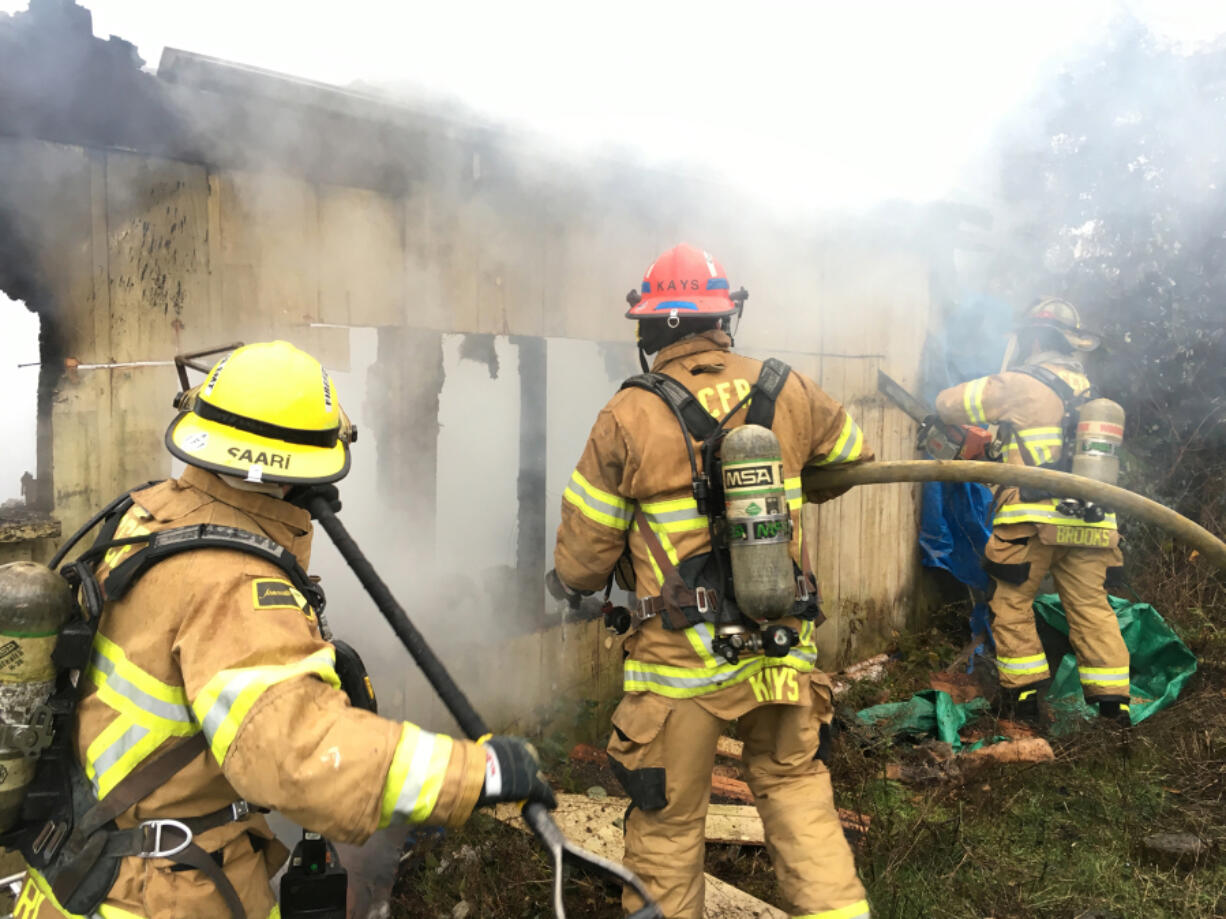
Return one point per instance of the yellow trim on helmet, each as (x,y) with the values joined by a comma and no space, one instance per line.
(218,448)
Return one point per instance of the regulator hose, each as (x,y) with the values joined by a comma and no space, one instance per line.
(816,479)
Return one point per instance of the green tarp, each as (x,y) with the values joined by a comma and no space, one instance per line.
(927,713)
(1161,664)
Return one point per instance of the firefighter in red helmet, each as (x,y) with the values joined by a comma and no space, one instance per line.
(644,500)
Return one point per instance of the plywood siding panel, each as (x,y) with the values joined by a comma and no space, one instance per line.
(361,257)
(157,253)
(269,249)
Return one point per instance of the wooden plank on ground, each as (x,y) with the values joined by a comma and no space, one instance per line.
(735,824)
(595,825)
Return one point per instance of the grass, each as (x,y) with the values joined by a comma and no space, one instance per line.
(1059,840)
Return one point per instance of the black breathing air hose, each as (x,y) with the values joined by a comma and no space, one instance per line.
(471,723)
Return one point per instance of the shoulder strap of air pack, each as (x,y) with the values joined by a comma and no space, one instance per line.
(164,544)
(697,420)
(771,378)
(167,543)
(1052,381)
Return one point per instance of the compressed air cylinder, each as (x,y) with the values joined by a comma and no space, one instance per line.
(34,604)
(1100,435)
(759,524)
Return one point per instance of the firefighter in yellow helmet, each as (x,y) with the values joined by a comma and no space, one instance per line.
(694,661)
(213,695)
(1035,534)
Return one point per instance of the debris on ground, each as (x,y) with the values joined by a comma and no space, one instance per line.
(597,827)
(872,670)
(1182,850)
(1026,750)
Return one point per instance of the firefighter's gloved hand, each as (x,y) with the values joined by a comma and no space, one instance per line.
(303,495)
(513,773)
(560,591)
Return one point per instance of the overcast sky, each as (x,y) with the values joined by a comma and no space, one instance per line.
(804,102)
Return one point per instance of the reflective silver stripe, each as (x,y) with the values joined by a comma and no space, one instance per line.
(805,657)
(115,752)
(419,772)
(1029,664)
(1104,675)
(137,696)
(645,675)
(229,694)
(597,503)
(851,446)
(690,513)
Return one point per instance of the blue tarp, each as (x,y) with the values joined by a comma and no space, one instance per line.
(954,522)
(954,516)
(954,529)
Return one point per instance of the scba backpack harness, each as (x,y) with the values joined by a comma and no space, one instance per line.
(700,589)
(65,832)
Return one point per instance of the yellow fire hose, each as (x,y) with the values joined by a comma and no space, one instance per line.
(1066,485)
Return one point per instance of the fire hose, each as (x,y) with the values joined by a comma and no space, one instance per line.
(1064,484)
(471,723)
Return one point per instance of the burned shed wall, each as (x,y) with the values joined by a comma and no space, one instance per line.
(216,203)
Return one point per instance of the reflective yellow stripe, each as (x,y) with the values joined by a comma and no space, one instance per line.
(848,447)
(593,514)
(1035,663)
(857,910)
(677,515)
(415,778)
(688,682)
(227,698)
(1104,676)
(700,641)
(666,543)
(37,893)
(595,504)
(1045,512)
(149,712)
(795,495)
(972,401)
(595,492)
(1041,443)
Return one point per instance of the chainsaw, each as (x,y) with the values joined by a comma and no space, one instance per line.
(936,438)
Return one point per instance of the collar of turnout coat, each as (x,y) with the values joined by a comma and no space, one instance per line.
(281,521)
(711,340)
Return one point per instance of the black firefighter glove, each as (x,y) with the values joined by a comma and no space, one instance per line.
(513,773)
(303,495)
(560,591)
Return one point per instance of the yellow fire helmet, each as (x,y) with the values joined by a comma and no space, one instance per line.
(267,412)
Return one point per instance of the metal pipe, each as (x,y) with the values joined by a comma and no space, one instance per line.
(819,479)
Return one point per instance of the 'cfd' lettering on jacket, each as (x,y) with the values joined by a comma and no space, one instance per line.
(718,399)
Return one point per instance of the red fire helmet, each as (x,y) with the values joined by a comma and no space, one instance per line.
(684,282)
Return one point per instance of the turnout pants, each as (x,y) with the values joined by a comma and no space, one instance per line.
(1017,566)
(664,751)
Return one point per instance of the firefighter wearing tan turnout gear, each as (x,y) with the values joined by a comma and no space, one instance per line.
(219,643)
(680,695)
(1030,535)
